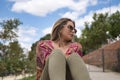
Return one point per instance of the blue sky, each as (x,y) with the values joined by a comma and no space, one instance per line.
(38,16)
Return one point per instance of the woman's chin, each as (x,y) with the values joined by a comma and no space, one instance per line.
(70,39)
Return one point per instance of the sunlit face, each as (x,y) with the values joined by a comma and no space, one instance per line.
(68,31)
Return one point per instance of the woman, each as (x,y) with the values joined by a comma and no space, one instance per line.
(60,57)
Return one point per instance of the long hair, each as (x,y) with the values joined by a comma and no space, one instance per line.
(55,35)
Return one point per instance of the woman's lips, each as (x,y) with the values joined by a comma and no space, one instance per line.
(72,35)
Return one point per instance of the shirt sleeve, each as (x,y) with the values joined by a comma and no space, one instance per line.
(79,49)
(75,47)
(40,59)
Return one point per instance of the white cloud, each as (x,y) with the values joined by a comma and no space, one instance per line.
(0,20)
(105,1)
(0,28)
(79,8)
(80,22)
(37,7)
(81,5)
(110,10)
(27,36)
(44,7)
(18,0)
(88,18)
(93,2)
(72,15)
(47,30)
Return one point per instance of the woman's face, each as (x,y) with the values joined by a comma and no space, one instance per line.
(68,31)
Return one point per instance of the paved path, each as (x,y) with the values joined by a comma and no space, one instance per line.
(97,74)
(12,77)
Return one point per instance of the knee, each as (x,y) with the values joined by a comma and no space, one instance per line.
(74,55)
(57,54)
(56,51)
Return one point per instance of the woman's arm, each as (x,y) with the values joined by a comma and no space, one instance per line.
(39,60)
(79,49)
(38,74)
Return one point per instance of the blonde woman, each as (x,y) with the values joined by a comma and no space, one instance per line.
(60,57)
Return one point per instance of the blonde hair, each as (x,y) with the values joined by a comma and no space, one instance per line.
(55,35)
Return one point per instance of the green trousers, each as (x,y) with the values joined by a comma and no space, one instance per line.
(58,67)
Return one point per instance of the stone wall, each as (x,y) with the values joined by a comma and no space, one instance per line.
(108,56)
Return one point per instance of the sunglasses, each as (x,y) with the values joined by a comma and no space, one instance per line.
(71,28)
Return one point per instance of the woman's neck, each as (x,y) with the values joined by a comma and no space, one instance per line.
(62,43)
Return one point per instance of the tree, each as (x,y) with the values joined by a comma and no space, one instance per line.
(9,28)
(96,32)
(8,33)
(114,21)
(15,58)
(46,37)
(32,59)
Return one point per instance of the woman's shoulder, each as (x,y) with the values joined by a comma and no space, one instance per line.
(45,43)
(77,47)
(76,44)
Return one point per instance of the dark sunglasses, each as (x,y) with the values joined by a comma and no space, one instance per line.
(71,28)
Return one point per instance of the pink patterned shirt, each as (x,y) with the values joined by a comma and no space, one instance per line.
(44,49)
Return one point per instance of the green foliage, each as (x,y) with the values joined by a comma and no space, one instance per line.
(15,57)
(94,35)
(13,61)
(9,28)
(2,68)
(31,68)
(11,56)
(114,21)
(76,39)
(46,37)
